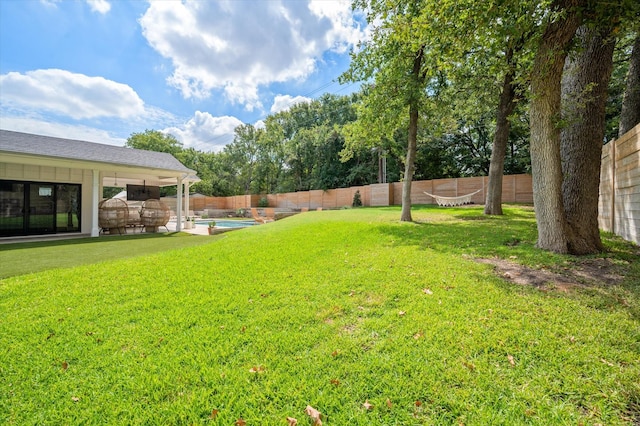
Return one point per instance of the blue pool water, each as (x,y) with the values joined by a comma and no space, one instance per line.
(222,223)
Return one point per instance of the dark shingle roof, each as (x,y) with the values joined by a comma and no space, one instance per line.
(47,146)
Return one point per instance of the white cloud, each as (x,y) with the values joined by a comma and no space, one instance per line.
(284,102)
(100,6)
(74,95)
(237,46)
(344,33)
(59,130)
(205,132)
(50,3)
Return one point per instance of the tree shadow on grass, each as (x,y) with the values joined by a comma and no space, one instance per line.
(508,244)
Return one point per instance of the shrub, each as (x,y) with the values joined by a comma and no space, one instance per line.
(357,201)
(264,202)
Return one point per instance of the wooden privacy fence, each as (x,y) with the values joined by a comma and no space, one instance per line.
(515,189)
(619,202)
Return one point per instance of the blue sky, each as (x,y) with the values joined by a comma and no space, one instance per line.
(99,70)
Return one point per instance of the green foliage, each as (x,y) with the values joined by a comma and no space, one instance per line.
(357,200)
(617,84)
(110,191)
(333,312)
(154,140)
(263,202)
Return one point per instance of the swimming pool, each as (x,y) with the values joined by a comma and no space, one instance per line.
(223,223)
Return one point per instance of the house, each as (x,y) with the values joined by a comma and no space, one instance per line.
(52,185)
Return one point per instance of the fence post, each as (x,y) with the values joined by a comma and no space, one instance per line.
(613,186)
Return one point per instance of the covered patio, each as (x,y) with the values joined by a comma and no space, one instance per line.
(53,186)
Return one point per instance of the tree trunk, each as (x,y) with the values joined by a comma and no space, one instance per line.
(545,133)
(493,202)
(630,114)
(417,80)
(409,165)
(584,92)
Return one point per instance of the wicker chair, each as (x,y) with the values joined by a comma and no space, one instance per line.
(154,214)
(113,213)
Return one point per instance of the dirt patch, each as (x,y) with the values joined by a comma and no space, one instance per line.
(585,272)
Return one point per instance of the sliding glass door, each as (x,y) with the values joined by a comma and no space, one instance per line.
(12,208)
(41,218)
(38,208)
(67,208)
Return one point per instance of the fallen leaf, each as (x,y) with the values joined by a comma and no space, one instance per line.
(65,365)
(264,295)
(389,404)
(511,360)
(418,403)
(469,365)
(314,414)
(607,362)
(334,353)
(257,369)
(418,335)
(242,329)
(401,313)
(352,293)
(367,406)
(75,399)
(427,291)
(292,421)
(214,414)
(241,422)
(572,339)
(335,382)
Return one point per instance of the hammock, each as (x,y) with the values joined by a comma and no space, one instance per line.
(453,201)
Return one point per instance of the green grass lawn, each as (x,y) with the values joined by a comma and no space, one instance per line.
(332,309)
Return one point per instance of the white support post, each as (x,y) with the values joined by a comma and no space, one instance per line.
(186,198)
(95,200)
(179,206)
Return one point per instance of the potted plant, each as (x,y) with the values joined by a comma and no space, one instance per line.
(187,223)
(212,226)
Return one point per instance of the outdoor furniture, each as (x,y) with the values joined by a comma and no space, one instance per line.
(269,215)
(261,219)
(154,214)
(453,201)
(113,213)
(134,220)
